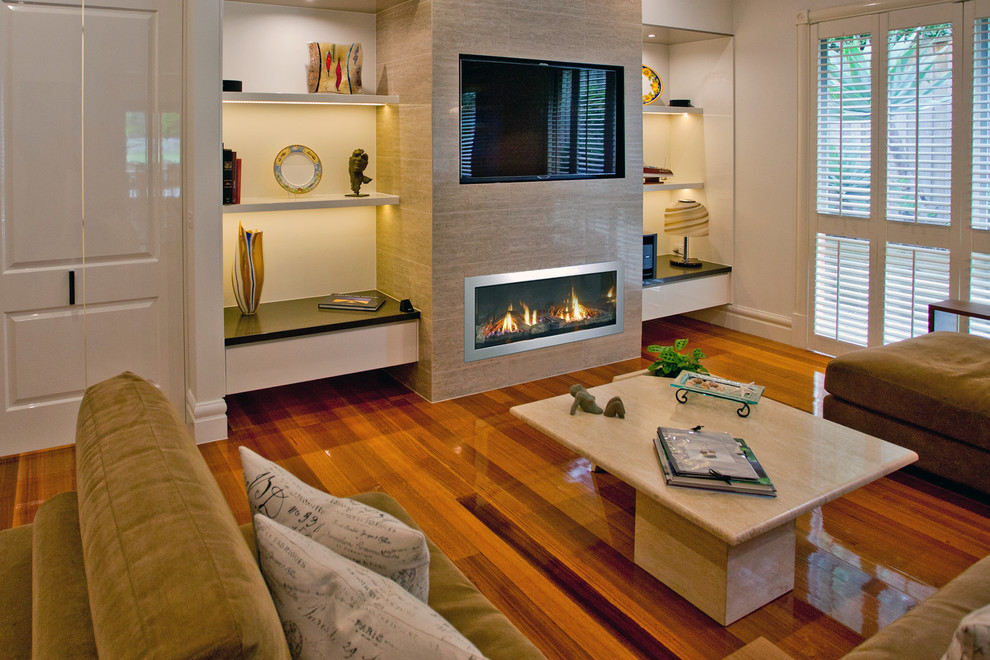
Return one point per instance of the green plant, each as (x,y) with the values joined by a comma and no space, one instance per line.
(670,361)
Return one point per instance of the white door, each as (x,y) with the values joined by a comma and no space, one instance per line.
(89,191)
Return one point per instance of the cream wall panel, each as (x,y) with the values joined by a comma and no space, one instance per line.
(266,46)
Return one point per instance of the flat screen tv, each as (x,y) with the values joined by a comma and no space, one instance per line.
(534,120)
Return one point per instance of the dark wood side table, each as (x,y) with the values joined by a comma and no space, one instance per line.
(943,315)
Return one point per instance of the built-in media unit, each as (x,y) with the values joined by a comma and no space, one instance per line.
(534,120)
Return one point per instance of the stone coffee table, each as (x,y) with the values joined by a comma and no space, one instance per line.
(726,553)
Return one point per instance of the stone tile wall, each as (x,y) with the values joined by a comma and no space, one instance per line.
(443,232)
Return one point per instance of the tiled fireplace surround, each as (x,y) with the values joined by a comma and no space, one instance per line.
(443,232)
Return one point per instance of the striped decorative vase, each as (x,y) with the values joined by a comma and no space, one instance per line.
(248,273)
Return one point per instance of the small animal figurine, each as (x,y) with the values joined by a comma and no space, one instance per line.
(356,165)
(615,408)
(585,400)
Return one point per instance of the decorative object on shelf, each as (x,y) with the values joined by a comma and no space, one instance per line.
(680,103)
(584,400)
(686,218)
(335,68)
(654,174)
(298,169)
(248,272)
(671,362)
(356,165)
(615,408)
(652,85)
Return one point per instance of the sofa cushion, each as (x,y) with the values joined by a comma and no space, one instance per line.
(939,381)
(332,607)
(454,597)
(169,573)
(364,534)
(15,592)
(61,624)
(926,630)
(972,637)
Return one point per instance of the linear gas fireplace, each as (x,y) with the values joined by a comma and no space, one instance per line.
(514,312)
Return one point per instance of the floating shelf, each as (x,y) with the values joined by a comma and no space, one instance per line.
(310,202)
(671,110)
(649,187)
(308,99)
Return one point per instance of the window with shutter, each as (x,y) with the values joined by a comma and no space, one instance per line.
(892,233)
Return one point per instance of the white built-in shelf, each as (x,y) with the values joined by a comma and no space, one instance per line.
(671,110)
(310,202)
(649,187)
(308,99)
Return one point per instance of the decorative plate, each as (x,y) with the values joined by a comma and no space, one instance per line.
(652,85)
(298,168)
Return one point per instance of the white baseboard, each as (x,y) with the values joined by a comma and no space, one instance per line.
(752,321)
(206,420)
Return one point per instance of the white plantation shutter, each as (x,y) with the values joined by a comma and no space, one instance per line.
(981,125)
(915,276)
(919,124)
(842,288)
(845,99)
(979,290)
(469,120)
(891,234)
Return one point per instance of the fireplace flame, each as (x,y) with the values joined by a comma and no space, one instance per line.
(508,323)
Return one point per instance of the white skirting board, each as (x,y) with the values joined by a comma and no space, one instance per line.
(264,364)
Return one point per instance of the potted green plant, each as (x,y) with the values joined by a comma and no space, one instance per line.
(671,362)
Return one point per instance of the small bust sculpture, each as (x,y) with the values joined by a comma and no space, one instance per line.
(585,400)
(356,165)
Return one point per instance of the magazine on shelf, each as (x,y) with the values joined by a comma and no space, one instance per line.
(350,301)
(715,476)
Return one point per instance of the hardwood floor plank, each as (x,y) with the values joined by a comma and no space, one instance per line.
(550,542)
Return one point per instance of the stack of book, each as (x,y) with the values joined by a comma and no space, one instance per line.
(693,458)
(654,174)
(231,177)
(351,301)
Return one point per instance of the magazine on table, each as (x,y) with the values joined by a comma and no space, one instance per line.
(712,461)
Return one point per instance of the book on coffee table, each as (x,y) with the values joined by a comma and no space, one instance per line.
(708,461)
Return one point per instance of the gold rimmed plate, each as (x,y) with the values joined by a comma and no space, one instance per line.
(298,168)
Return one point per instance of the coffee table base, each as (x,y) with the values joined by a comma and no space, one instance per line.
(724,581)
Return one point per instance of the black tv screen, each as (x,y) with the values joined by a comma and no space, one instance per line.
(529,120)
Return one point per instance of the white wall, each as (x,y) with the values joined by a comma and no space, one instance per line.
(766,241)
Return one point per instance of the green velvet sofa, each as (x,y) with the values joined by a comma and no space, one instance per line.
(146,560)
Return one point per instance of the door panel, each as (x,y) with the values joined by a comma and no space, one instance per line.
(91,171)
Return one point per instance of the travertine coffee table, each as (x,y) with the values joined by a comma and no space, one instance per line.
(726,553)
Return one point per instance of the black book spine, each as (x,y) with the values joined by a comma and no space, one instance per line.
(228,176)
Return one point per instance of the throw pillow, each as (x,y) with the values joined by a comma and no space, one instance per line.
(335,68)
(331,607)
(971,640)
(372,538)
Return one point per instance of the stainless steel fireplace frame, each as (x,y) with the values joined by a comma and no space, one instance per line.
(471,283)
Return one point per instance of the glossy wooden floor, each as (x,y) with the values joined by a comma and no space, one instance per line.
(549,542)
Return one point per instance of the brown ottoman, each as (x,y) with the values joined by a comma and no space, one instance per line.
(930,393)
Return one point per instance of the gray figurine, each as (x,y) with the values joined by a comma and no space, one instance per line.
(356,165)
(585,400)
